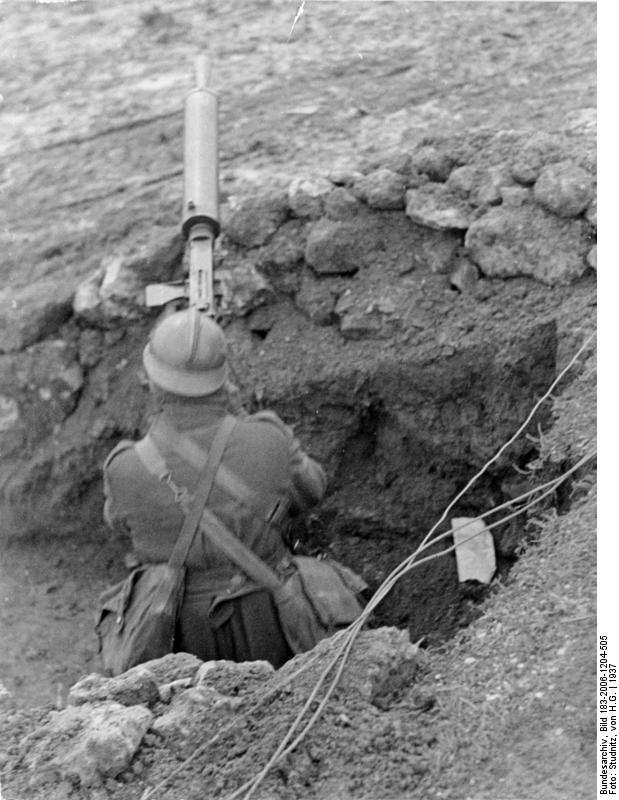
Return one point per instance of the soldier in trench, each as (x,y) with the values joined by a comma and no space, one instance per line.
(264,475)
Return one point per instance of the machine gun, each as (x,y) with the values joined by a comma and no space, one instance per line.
(200,217)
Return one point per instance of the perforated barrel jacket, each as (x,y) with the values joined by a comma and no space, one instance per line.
(262,462)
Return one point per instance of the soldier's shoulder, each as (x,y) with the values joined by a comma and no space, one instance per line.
(121,447)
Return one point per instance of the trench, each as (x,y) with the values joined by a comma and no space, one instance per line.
(403,450)
(398,440)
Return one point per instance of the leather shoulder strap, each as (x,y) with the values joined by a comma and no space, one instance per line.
(203,490)
(251,564)
(218,533)
(269,506)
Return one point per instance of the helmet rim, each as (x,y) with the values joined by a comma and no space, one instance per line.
(183,381)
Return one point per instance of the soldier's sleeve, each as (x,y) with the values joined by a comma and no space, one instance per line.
(308,477)
(309,482)
(111,513)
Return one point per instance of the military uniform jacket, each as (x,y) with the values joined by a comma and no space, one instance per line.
(262,454)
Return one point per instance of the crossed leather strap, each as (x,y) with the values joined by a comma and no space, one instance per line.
(198,514)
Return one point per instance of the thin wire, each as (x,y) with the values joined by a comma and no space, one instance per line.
(401,568)
(497,454)
(513,438)
(282,750)
(304,667)
(387,585)
(349,634)
(353,630)
(361,620)
(204,747)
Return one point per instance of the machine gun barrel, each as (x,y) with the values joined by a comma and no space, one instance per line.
(201,194)
(200,216)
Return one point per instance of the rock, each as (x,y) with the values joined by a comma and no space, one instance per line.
(90,348)
(242,289)
(282,258)
(207,697)
(168,690)
(120,289)
(438,250)
(433,162)
(337,248)
(9,413)
(86,743)
(356,325)
(385,664)
(137,686)
(87,302)
(465,276)
(399,161)
(435,208)
(256,218)
(173,667)
(367,318)
(116,289)
(344,176)
(178,724)
(591,215)
(34,312)
(52,368)
(158,258)
(514,196)
(13,435)
(341,204)
(489,192)
(90,688)
(381,189)
(564,189)
(317,299)
(541,149)
(306,196)
(41,387)
(463,180)
(592,257)
(262,320)
(230,678)
(527,241)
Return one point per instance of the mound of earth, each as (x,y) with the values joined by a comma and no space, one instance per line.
(220,720)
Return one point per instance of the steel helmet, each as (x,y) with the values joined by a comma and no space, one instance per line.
(186,354)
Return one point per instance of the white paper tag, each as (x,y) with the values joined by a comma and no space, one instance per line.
(475,555)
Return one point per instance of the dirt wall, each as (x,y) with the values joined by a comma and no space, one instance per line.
(397,314)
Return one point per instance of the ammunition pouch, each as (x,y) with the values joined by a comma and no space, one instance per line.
(318,598)
(137,620)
